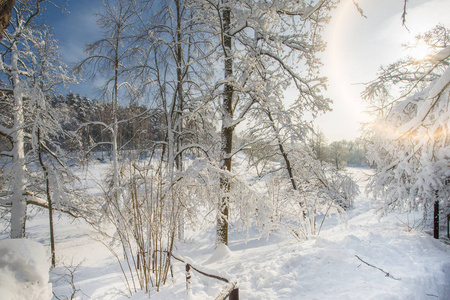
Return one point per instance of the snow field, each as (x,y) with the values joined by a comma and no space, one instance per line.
(326,267)
(279,267)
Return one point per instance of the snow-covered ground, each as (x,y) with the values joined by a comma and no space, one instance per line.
(333,265)
(24,270)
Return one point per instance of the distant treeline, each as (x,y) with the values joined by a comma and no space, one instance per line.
(139,127)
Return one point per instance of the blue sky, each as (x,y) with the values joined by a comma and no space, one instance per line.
(75,27)
(356,48)
(73,30)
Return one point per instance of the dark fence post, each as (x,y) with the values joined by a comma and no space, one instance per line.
(436,219)
(188,278)
(234,295)
(448,226)
(231,292)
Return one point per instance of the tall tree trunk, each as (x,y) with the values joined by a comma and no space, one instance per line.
(180,100)
(19,205)
(226,132)
(436,218)
(116,127)
(6,7)
(49,199)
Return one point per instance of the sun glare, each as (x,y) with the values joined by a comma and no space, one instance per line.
(419,52)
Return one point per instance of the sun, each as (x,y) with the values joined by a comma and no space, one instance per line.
(418,52)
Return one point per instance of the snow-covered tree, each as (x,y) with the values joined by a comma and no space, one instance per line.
(32,69)
(260,44)
(46,130)
(408,75)
(319,145)
(339,152)
(110,57)
(176,64)
(302,186)
(410,146)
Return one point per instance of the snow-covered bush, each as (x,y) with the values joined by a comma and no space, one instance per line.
(201,195)
(322,190)
(147,219)
(24,270)
(145,224)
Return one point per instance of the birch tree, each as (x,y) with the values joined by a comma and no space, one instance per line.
(16,57)
(32,67)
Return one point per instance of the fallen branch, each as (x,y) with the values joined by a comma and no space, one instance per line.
(386,273)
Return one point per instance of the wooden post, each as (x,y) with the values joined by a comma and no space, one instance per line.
(448,226)
(188,279)
(436,219)
(234,295)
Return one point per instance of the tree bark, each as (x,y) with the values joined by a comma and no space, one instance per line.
(226,132)
(49,199)
(283,152)
(180,104)
(6,7)
(19,204)
(436,219)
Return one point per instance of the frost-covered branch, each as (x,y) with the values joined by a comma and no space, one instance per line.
(409,146)
(65,207)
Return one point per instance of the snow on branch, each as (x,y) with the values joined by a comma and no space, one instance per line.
(241,26)
(5,131)
(64,207)
(109,127)
(304,14)
(359,9)
(191,146)
(410,148)
(313,9)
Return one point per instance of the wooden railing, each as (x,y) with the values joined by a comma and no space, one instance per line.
(231,291)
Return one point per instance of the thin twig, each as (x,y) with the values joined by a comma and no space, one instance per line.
(386,273)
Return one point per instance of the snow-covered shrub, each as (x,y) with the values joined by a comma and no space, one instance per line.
(145,223)
(201,194)
(322,190)
(147,218)
(24,270)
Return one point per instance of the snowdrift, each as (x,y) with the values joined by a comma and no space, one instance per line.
(24,270)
